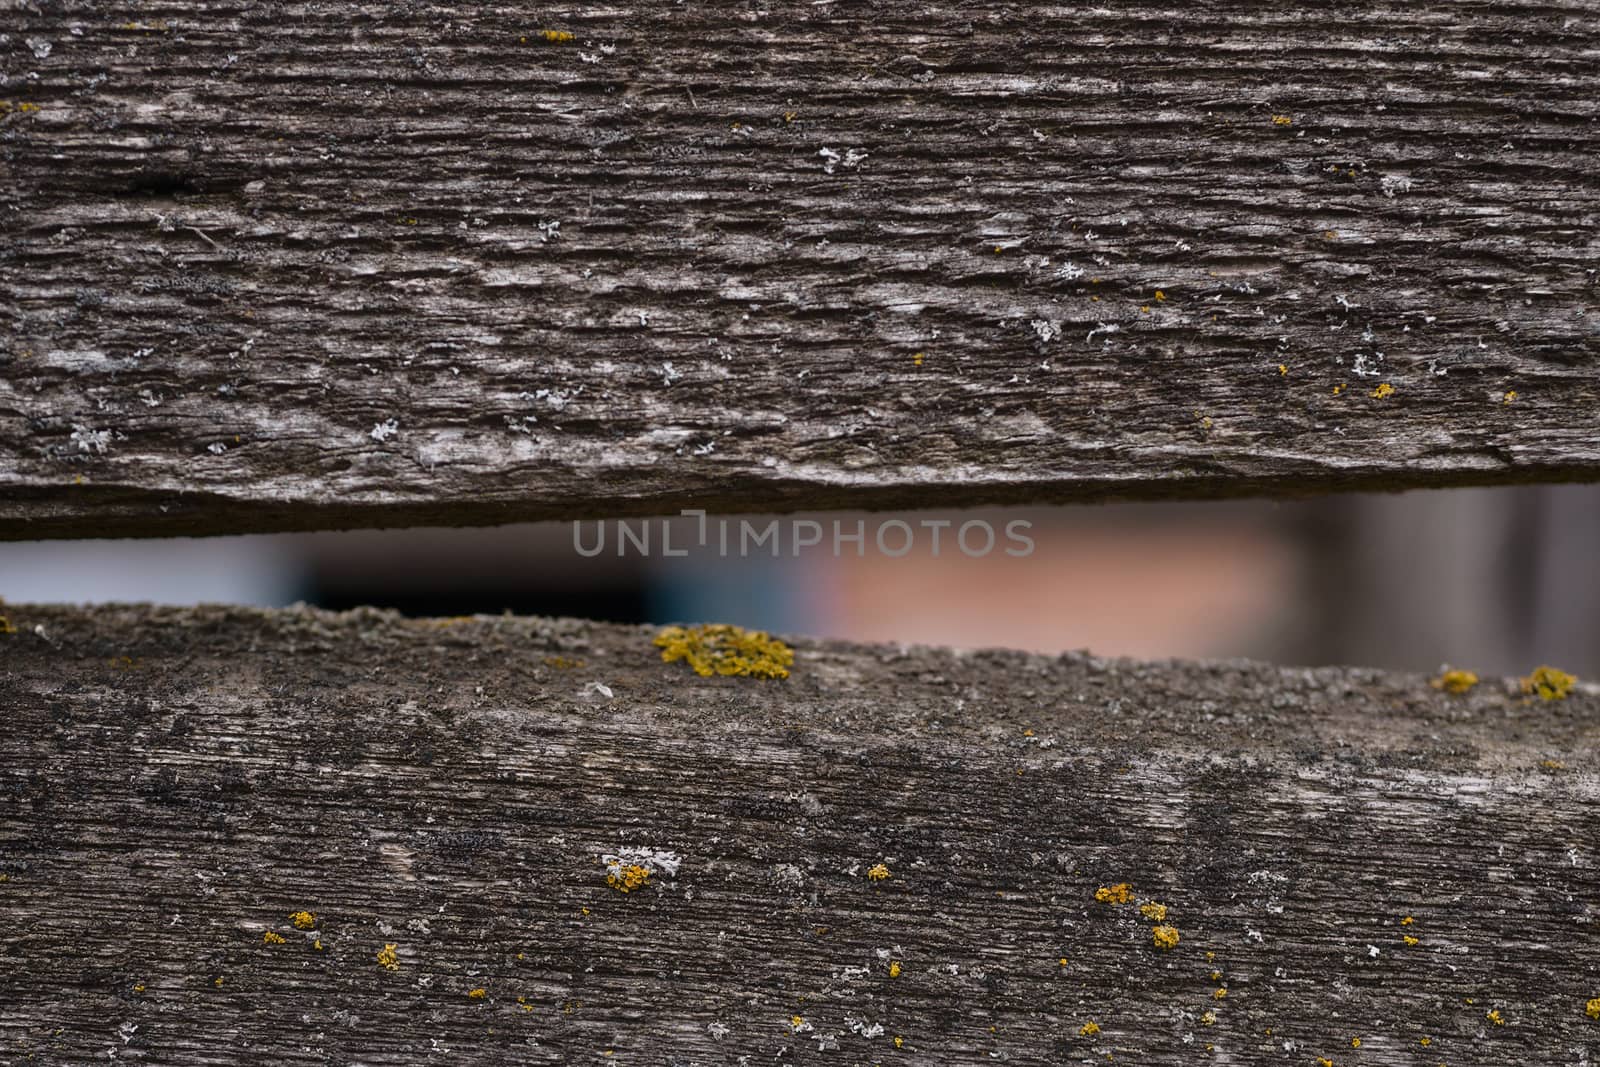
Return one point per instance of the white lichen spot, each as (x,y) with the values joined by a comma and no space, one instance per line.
(216,448)
(1067,272)
(90,440)
(384,430)
(851,159)
(1047,331)
(1390,184)
(651,861)
(550,230)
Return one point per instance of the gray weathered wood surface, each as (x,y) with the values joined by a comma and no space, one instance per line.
(175,783)
(282,265)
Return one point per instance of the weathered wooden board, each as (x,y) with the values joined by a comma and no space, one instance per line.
(424,262)
(174,784)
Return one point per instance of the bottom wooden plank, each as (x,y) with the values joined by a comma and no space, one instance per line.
(241,836)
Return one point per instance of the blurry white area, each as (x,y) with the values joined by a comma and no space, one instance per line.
(261,571)
(1496,580)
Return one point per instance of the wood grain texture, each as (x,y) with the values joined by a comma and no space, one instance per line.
(174,784)
(280,265)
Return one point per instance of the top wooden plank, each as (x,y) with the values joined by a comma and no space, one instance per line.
(288,265)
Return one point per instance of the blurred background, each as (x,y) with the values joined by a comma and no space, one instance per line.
(1496,580)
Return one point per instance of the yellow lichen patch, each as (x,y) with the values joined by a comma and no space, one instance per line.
(1164,937)
(1089,1029)
(1494,1016)
(389,957)
(1407,921)
(1549,683)
(1120,893)
(1324,1062)
(563,663)
(1383,392)
(556,36)
(1510,395)
(916,360)
(718,648)
(1219,994)
(1339,389)
(1063,961)
(1208,1019)
(1153,911)
(5,626)
(1592,1009)
(1552,765)
(1355,1042)
(894,969)
(1283,370)
(627,879)
(479,993)
(1425,1041)
(1283,120)
(303,920)
(1455,681)
(877,873)
(1409,940)
(317,944)
(272,939)
(1160,295)
(899,1042)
